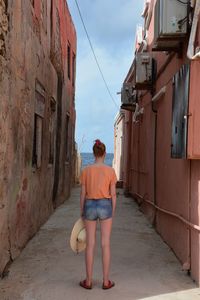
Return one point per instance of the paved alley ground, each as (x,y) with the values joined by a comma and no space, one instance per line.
(143,266)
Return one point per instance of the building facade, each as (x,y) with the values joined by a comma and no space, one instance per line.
(118,145)
(37,117)
(160,96)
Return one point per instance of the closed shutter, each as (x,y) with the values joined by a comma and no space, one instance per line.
(180,112)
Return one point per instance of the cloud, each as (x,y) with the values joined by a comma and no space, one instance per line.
(111,22)
(89,78)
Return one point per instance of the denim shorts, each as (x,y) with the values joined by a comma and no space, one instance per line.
(97,209)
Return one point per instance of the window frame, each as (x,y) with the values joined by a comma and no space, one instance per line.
(39,114)
(37,141)
(52,130)
(73,69)
(67,137)
(69,60)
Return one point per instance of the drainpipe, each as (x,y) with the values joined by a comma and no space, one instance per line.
(154,158)
(138,111)
(144,45)
(187,264)
(150,13)
(190,51)
(127,189)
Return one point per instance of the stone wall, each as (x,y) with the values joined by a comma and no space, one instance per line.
(37,118)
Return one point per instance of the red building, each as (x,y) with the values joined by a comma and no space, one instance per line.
(161,146)
(37,121)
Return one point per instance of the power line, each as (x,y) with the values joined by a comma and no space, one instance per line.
(186,3)
(95,57)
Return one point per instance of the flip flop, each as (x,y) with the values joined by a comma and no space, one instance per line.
(85,285)
(109,285)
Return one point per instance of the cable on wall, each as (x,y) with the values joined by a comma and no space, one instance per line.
(186,3)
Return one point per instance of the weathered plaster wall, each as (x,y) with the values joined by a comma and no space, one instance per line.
(29,194)
(4,133)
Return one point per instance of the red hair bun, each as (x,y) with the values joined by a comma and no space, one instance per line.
(99,148)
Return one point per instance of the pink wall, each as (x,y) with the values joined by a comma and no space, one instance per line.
(174,184)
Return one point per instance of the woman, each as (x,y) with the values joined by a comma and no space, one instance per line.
(98,201)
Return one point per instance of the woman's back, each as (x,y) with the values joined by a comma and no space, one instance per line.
(97,179)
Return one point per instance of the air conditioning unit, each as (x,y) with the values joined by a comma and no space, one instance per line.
(128,96)
(145,71)
(170,23)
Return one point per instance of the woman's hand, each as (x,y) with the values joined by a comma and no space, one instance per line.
(82,199)
(113,196)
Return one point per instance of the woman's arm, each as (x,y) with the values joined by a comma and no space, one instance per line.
(82,198)
(113,196)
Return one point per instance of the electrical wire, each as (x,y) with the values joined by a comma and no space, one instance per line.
(186,3)
(183,21)
(95,57)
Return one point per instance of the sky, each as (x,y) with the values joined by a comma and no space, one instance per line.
(111,25)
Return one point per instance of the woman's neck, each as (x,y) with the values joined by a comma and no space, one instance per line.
(99,160)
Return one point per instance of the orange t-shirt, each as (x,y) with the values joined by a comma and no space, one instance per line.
(97,180)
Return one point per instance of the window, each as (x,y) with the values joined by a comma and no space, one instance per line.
(55,53)
(51,19)
(38,124)
(52,130)
(37,143)
(72,140)
(193,149)
(44,14)
(69,60)
(180,112)
(67,137)
(73,69)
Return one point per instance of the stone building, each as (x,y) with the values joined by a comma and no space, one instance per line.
(162,147)
(37,117)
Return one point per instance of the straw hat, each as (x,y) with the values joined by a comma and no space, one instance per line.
(78,236)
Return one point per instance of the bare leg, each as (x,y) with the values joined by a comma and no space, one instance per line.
(106,226)
(90,246)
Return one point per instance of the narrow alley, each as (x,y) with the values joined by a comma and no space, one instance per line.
(143,266)
(74,73)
